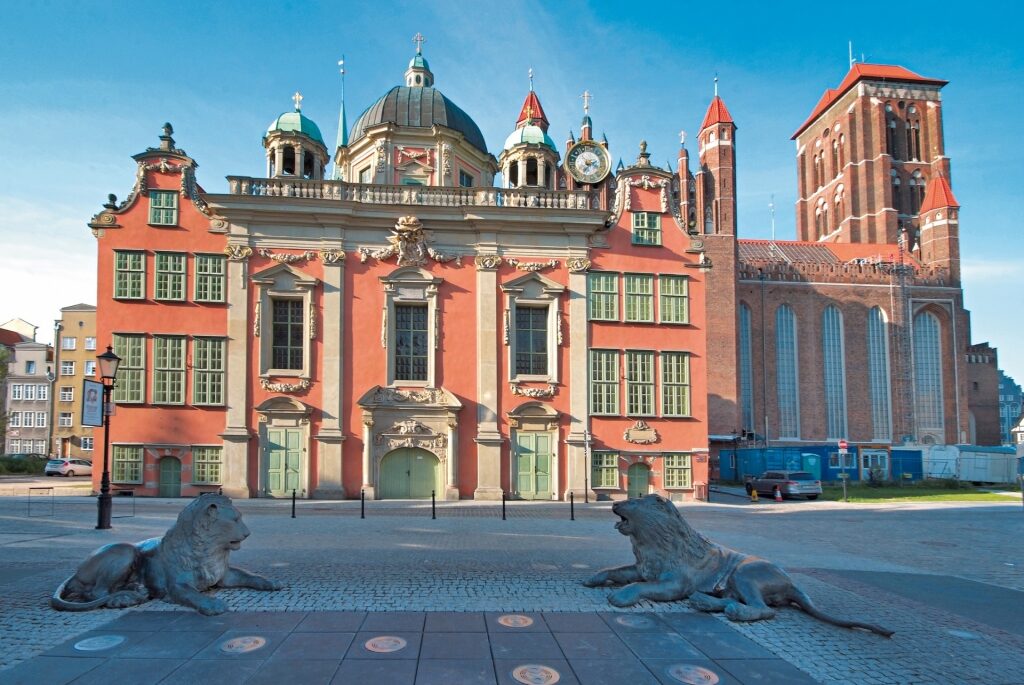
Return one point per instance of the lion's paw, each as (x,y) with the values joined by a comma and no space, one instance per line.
(623,598)
(596,580)
(212,606)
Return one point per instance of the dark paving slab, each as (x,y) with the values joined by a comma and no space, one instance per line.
(381,672)
(164,645)
(51,670)
(576,623)
(537,626)
(411,650)
(504,668)
(612,672)
(145,621)
(455,646)
(220,671)
(634,623)
(393,620)
(728,646)
(995,606)
(276,671)
(449,671)
(660,646)
(216,649)
(128,640)
(696,622)
(332,621)
(455,622)
(661,670)
(759,671)
(134,671)
(592,646)
(315,646)
(525,646)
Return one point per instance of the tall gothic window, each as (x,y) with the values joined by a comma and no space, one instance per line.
(897,196)
(842,151)
(878,374)
(928,374)
(746,370)
(787,375)
(833,356)
(917,184)
(913,132)
(817,171)
(835,158)
(890,132)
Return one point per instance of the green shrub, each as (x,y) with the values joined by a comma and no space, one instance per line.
(32,467)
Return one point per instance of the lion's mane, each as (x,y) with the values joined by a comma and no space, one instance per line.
(197,543)
(662,539)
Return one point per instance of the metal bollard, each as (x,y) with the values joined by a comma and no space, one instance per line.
(362,504)
(586,489)
(433,505)
(293,503)
(572,507)
(502,505)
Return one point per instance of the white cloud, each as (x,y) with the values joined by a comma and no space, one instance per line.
(990,271)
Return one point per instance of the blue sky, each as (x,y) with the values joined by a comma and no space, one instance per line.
(86,85)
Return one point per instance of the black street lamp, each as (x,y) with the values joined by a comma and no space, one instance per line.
(108,362)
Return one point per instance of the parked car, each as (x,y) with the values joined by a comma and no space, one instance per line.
(68,467)
(789,483)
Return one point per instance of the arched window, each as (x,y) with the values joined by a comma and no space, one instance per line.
(897,196)
(824,219)
(913,138)
(838,207)
(928,375)
(878,374)
(818,230)
(803,171)
(890,136)
(842,151)
(787,379)
(835,158)
(817,170)
(746,370)
(916,184)
(833,357)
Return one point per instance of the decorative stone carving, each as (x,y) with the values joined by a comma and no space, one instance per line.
(441,257)
(640,434)
(409,242)
(382,156)
(647,183)
(384,328)
(218,225)
(312,320)
(506,327)
(446,159)
(486,262)
(533,266)
(237,253)
(558,330)
(191,558)
(332,256)
(577,264)
(396,396)
(535,393)
(301,386)
(674,562)
(256,318)
(287,258)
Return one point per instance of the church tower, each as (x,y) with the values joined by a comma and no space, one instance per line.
(529,157)
(716,179)
(295,147)
(939,232)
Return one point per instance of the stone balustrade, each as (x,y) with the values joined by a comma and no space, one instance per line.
(435,196)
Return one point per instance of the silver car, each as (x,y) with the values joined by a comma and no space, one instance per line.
(788,483)
(68,466)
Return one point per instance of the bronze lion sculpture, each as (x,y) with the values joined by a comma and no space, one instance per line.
(190,558)
(675,562)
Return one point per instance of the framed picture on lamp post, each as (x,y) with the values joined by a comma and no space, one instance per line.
(92,403)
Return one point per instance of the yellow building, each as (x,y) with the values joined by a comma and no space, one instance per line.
(75,360)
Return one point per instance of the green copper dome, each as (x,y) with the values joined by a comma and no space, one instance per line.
(531,134)
(419,62)
(296,122)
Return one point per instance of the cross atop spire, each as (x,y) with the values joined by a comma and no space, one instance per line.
(586,101)
(716,85)
(341,68)
(297,98)
(419,40)
(530,72)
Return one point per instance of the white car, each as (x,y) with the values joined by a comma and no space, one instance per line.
(68,467)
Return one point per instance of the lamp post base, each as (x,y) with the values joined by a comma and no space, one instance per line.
(103,506)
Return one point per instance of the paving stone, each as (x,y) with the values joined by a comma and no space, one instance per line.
(134,671)
(455,646)
(220,671)
(393,620)
(277,670)
(128,639)
(379,672)
(592,646)
(612,672)
(721,645)
(144,621)
(757,671)
(51,670)
(575,623)
(331,621)
(525,646)
(660,669)
(537,624)
(171,645)
(318,646)
(622,622)
(660,646)
(215,650)
(455,622)
(358,649)
(504,667)
(461,671)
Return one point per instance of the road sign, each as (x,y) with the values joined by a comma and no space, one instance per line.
(843,445)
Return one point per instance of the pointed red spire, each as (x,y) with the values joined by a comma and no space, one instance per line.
(717,114)
(938,195)
(532,112)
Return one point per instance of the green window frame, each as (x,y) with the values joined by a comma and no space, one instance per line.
(646,228)
(604,382)
(603,296)
(169,281)
(604,470)
(531,352)
(206,465)
(168,369)
(674,299)
(208,371)
(675,384)
(679,470)
(640,298)
(129,274)
(287,344)
(210,277)
(126,464)
(163,207)
(412,353)
(131,374)
(639,383)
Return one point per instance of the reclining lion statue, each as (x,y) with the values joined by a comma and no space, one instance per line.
(190,558)
(675,562)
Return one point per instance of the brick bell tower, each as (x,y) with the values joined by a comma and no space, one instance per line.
(716,178)
(939,228)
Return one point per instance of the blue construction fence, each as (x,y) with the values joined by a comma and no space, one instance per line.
(823,461)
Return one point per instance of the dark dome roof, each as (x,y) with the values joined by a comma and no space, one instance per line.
(418,107)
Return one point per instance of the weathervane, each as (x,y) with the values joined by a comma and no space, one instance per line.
(586,101)
(419,40)
(716,85)
(298,101)
(530,72)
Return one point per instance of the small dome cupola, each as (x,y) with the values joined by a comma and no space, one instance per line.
(295,146)
(529,156)
(419,75)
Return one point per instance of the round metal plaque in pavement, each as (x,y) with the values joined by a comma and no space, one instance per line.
(385,644)
(100,642)
(243,645)
(535,674)
(634,621)
(515,621)
(692,675)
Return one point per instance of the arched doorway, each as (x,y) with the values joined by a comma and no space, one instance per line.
(638,480)
(409,473)
(170,477)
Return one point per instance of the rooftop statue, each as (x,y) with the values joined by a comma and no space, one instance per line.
(189,559)
(675,562)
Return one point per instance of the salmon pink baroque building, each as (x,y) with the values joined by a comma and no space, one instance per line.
(403,325)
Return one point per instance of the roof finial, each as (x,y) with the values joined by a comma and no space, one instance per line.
(419,40)
(849,45)
(530,72)
(341,68)
(586,101)
(682,138)
(298,101)
(716,84)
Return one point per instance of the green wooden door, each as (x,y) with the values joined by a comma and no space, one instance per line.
(533,465)
(284,459)
(409,473)
(170,477)
(638,480)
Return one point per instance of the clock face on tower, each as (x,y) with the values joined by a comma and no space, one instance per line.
(587,162)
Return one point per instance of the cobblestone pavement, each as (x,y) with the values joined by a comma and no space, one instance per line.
(468,560)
